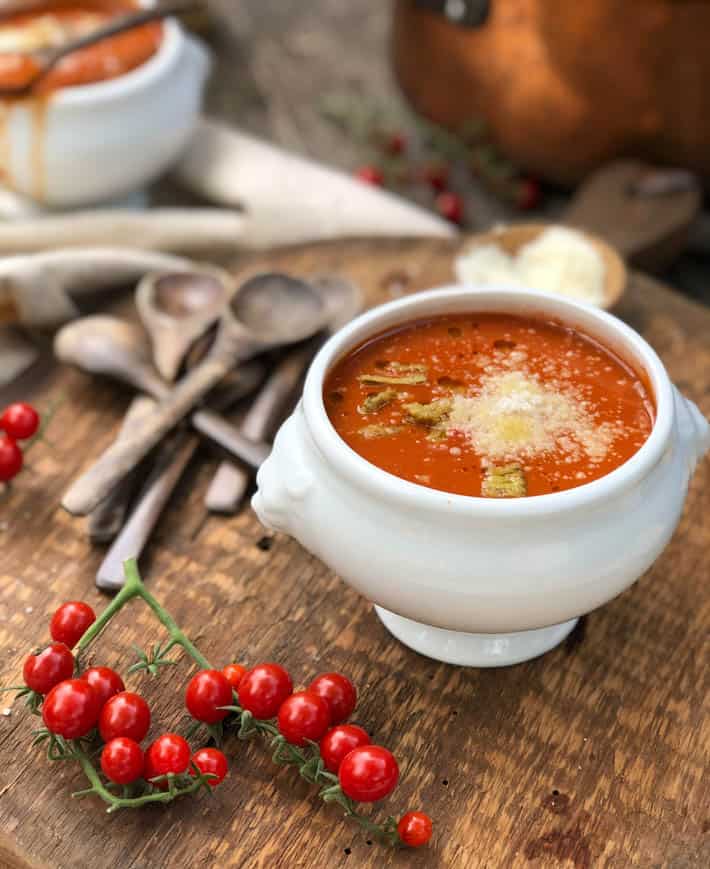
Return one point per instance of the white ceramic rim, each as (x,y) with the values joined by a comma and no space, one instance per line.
(123,85)
(368,476)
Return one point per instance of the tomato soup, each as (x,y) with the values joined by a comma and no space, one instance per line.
(490,405)
(52,24)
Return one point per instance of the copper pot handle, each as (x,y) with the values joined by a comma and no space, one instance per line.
(465,13)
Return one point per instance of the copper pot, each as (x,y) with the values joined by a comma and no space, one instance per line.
(564,86)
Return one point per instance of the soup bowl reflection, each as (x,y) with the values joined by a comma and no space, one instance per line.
(478,581)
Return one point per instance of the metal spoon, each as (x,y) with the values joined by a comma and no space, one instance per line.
(177,308)
(111,347)
(40,62)
(267,311)
(229,485)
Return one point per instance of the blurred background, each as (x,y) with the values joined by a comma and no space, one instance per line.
(536,93)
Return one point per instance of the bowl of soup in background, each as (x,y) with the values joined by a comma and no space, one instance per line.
(70,144)
(481,581)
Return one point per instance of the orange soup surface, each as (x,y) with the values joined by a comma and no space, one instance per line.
(490,405)
(52,24)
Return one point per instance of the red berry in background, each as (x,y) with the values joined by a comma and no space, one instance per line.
(71,621)
(414,829)
(339,693)
(11,459)
(394,143)
(50,667)
(263,689)
(70,709)
(528,194)
(122,760)
(20,421)
(234,673)
(339,742)
(450,206)
(436,175)
(170,753)
(368,774)
(370,175)
(303,716)
(105,682)
(205,693)
(125,714)
(210,760)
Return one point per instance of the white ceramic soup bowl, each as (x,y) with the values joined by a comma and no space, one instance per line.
(478,581)
(91,143)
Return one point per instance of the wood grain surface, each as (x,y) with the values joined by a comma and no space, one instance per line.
(594,755)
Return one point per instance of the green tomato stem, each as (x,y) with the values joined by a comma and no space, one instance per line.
(134,587)
(115,803)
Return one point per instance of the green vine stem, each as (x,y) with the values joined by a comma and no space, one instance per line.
(134,587)
(123,802)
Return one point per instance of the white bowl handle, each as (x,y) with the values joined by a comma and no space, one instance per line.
(694,429)
(286,481)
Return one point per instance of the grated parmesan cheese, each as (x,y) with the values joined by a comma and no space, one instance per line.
(514,416)
(558,261)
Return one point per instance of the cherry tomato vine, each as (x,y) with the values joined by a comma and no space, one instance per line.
(90,718)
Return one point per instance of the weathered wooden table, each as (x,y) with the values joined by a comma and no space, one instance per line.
(594,755)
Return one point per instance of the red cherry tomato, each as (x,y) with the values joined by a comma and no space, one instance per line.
(169,753)
(11,459)
(105,682)
(52,666)
(450,205)
(368,774)
(338,692)
(436,176)
(395,143)
(340,741)
(122,760)
(124,714)
(263,689)
(303,716)
(71,709)
(414,829)
(20,421)
(71,621)
(370,175)
(234,673)
(211,760)
(206,692)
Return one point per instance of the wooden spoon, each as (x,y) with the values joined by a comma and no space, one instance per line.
(177,308)
(267,311)
(111,347)
(343,301)
(164,477)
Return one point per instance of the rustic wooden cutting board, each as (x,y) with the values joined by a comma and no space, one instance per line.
(593,755)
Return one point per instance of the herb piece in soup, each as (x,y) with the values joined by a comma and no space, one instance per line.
(506,481)
(429,414)
(376,401)
(376,430)
(398,373)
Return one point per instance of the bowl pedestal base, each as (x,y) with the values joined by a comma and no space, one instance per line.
(474,650)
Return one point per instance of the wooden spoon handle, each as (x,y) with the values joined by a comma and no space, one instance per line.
(137,531)
(106,520)
(648,230)
(120,458)
(231,481)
